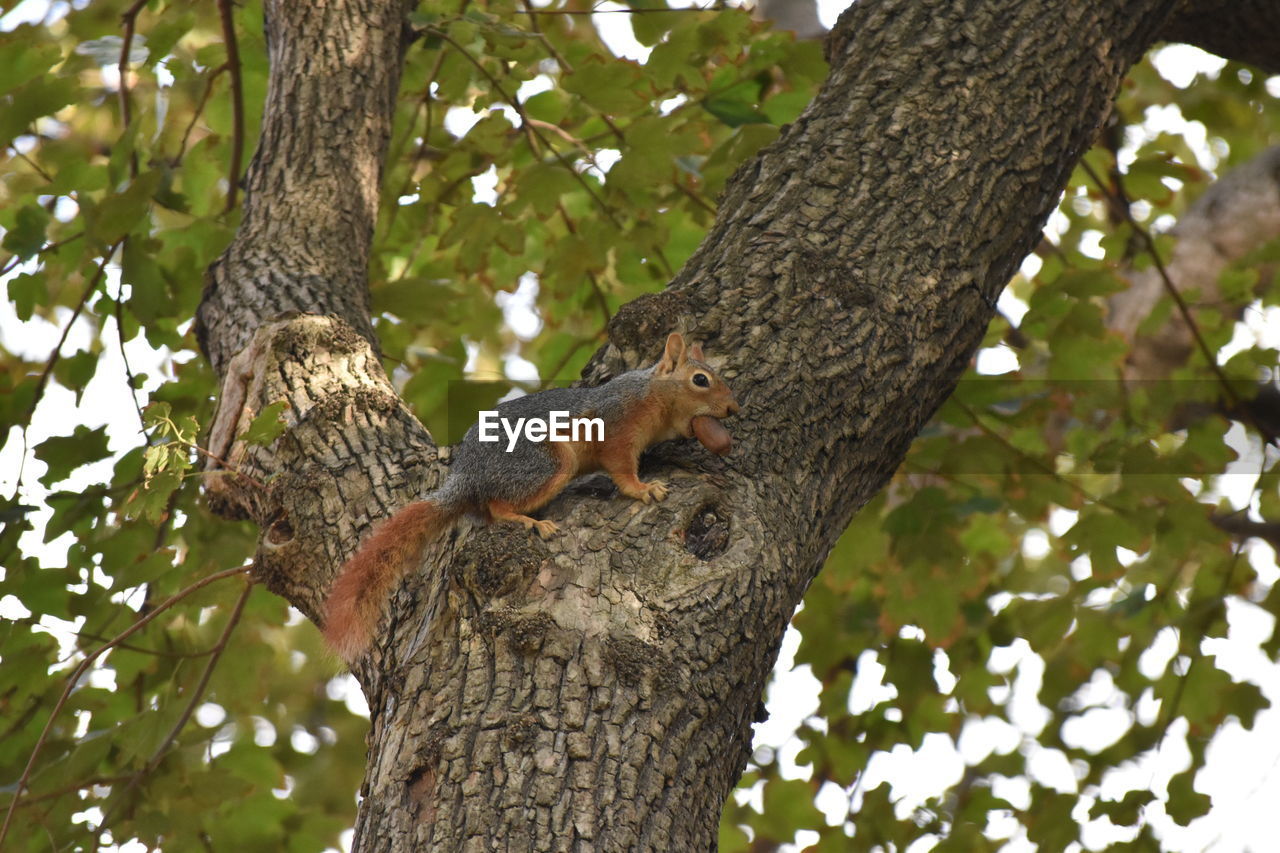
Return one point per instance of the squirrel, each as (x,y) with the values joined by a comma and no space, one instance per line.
(678,396)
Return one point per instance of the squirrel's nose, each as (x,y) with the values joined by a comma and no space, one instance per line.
(732,408)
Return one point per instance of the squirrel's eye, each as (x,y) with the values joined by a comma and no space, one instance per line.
(701,380)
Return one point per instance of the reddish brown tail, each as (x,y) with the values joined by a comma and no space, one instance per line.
(365,581)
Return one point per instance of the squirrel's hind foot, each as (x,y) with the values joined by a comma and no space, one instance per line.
(546,529)
(501,511)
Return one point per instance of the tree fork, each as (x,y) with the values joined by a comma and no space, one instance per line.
(596,691)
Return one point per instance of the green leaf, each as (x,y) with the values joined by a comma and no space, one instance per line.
(616,88)
(75,371)
(64,454)
(41,96)
(1185,804)
(1044,624)
(27,235)
(119,213)
(676,61)
(151,502)
(1051,825)
(734,110)
(732,839)
(150,299)
(1124,812)
(267,426)
(788,807)
(24,55)
(256,766)
(1245,700)
(544,186)
(26,291)
(785,107)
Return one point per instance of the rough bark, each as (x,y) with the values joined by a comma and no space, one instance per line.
(301,252)
(1243,30)
(596,691)
(311,192)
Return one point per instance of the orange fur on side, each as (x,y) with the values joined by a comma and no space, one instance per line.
(365,581)
(620,454)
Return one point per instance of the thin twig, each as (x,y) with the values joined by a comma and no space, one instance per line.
(424,106)
(75,315)
(1170,712)
(32,163)
(441,198)
(14,260)
(19,721)
(537,29)
(237,100)
(1044,468)
(573,350)
(130,379)
(80,670)
(129,20)
(591,277)
(199,111)
(694,197)
(228,468)
(129,647)
(77,786)
(519,108)
(564,64)
(196,695)
(1240,525)
(532,129)
(1169,286)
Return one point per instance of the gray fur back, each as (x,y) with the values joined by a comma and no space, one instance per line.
(483,471)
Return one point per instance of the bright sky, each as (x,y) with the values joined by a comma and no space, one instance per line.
(1243,771)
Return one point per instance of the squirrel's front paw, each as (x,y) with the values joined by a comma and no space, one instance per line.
(655,491)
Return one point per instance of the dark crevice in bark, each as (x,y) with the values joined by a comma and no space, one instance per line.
(707,534)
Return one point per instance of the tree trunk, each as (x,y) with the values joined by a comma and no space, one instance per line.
(597,691)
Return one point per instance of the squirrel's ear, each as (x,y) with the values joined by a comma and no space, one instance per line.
(695,353)
(673,355)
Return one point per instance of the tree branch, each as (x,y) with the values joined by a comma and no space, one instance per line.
(1243,30)
(325,129)
(237,100)
(129,19)
(1240,525)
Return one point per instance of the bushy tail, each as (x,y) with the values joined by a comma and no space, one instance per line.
(365,581)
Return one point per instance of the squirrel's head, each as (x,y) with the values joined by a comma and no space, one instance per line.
(693,388)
